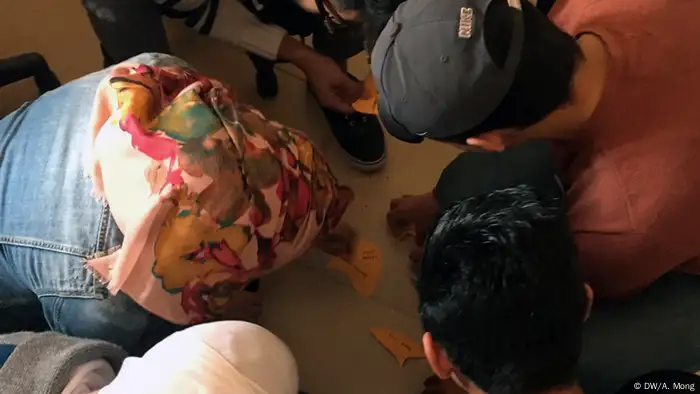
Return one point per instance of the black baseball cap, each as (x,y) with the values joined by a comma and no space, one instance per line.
(433,72)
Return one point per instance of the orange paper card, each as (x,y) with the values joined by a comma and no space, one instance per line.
(365,268)
(398,343)
(367,104)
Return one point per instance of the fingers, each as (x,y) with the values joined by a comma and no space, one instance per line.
(334,89)
(399,224)
(330,99)
(244,305)
(421,235)
(424,228)
(352,90)
(413,213)
(339,243)
(252,314)
(400,218)
(416,259)
(394,204)
(416,255)
(346,194)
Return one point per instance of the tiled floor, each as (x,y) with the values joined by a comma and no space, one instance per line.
(324,321)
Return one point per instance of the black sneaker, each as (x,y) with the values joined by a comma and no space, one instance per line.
(361,137)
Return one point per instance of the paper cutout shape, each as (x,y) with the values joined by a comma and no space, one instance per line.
(364,269)
(369,101)
(398,343)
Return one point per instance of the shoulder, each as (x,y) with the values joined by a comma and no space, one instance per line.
(634,185)
(626,26)
(597,197)
(568,15)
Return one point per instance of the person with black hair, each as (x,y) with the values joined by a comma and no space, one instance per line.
(587,80)
(502,297)
(607,83)
(510,220)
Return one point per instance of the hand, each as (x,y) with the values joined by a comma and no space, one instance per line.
(332,86)
(413,214)
(244,305)
(435,385)
(416,257)
(340,242)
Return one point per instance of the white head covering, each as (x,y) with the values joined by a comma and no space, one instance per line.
(216,358)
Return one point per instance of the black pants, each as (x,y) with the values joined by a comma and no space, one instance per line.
(127,28)
(28,65)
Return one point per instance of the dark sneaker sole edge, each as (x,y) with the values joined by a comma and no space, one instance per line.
(368,167)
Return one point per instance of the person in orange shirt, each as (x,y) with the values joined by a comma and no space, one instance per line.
(607,83)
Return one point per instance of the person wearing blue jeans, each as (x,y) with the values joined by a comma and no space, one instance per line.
(50,224)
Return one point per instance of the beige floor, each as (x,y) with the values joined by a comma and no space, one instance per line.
(315,311)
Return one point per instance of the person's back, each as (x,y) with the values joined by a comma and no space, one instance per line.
(631,177)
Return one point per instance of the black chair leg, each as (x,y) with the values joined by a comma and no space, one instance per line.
(265,77)
(107,60)
(28,65)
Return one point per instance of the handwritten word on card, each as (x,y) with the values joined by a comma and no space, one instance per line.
(398,343)
(364,269)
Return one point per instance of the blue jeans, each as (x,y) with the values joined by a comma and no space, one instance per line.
(50,224)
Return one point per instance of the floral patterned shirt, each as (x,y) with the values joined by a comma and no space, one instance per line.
(208,193)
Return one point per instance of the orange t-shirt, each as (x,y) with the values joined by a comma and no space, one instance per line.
(633,179)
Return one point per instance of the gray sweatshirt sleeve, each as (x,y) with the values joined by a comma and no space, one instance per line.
(42,363)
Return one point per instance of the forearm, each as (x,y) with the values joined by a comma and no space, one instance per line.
(297,53)
(236,25)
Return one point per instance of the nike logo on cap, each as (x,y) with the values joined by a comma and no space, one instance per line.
(466,22)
